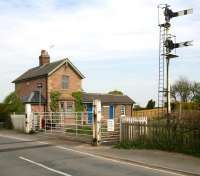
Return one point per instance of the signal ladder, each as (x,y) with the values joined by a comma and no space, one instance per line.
(161,80)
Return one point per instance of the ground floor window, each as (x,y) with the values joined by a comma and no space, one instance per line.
(69,106)
(123,110)
(62,106)
(66,106)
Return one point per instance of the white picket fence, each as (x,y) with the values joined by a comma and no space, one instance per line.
(18,121)
(131,127)
(134,119)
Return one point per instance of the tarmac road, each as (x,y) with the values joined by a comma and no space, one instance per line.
(35,158)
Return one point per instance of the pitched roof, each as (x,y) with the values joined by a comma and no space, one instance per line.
(34,98)
(107,98)
(46,70)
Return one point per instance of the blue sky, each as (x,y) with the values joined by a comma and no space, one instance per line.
(113,42)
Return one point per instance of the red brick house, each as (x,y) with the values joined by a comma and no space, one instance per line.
(34,87)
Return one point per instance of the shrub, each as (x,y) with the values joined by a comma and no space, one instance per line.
(11,104)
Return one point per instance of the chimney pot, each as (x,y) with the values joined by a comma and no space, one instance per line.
(44,58)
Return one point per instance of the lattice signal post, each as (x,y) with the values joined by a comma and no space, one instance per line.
(167,51)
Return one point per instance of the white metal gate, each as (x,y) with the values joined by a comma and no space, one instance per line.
(77,124)
(71,124)
(110,131)
(36,122)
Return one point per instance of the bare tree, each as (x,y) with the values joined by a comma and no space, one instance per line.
(181,90)
(195,89)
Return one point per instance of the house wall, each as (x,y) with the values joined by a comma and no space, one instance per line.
(55,83)
(38,108)
(26,87)
(117,111)
(105,111)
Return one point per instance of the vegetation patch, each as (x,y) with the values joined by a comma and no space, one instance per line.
(87,130)
(173,135)
(11,104)
(54,97)
(78,101)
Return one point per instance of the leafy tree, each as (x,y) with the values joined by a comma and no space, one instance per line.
(116,92)
(137,107)
(151,104)
(54,96)
(5,116)
(13,103)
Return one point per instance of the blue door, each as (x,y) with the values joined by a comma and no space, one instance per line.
(90,114)
(111,112)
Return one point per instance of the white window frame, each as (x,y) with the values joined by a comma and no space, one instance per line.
(62,103)
(123,110)
(65,81)
(72,106)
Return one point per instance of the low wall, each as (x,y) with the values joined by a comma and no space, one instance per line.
(18,121)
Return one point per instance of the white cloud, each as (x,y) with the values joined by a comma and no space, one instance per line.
(88,30)
(106,29)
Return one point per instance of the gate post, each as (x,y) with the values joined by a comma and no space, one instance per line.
(120,128)
(28,118)
(97,122)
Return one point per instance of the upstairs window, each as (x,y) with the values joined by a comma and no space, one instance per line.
(65,82)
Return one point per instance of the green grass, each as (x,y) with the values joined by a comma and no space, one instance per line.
(80,130)
(159,144)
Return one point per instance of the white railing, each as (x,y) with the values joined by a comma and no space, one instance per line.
(110,130)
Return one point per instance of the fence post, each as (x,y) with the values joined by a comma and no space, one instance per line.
(97,122)
(120,129)
(76,123)
(45,123)
(51,121)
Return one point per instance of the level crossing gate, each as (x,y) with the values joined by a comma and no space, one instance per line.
(70,124)
(84,126)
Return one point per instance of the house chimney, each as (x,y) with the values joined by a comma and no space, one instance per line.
(44,58)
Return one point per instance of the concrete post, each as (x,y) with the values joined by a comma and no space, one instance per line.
(97,122)
(28,118)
